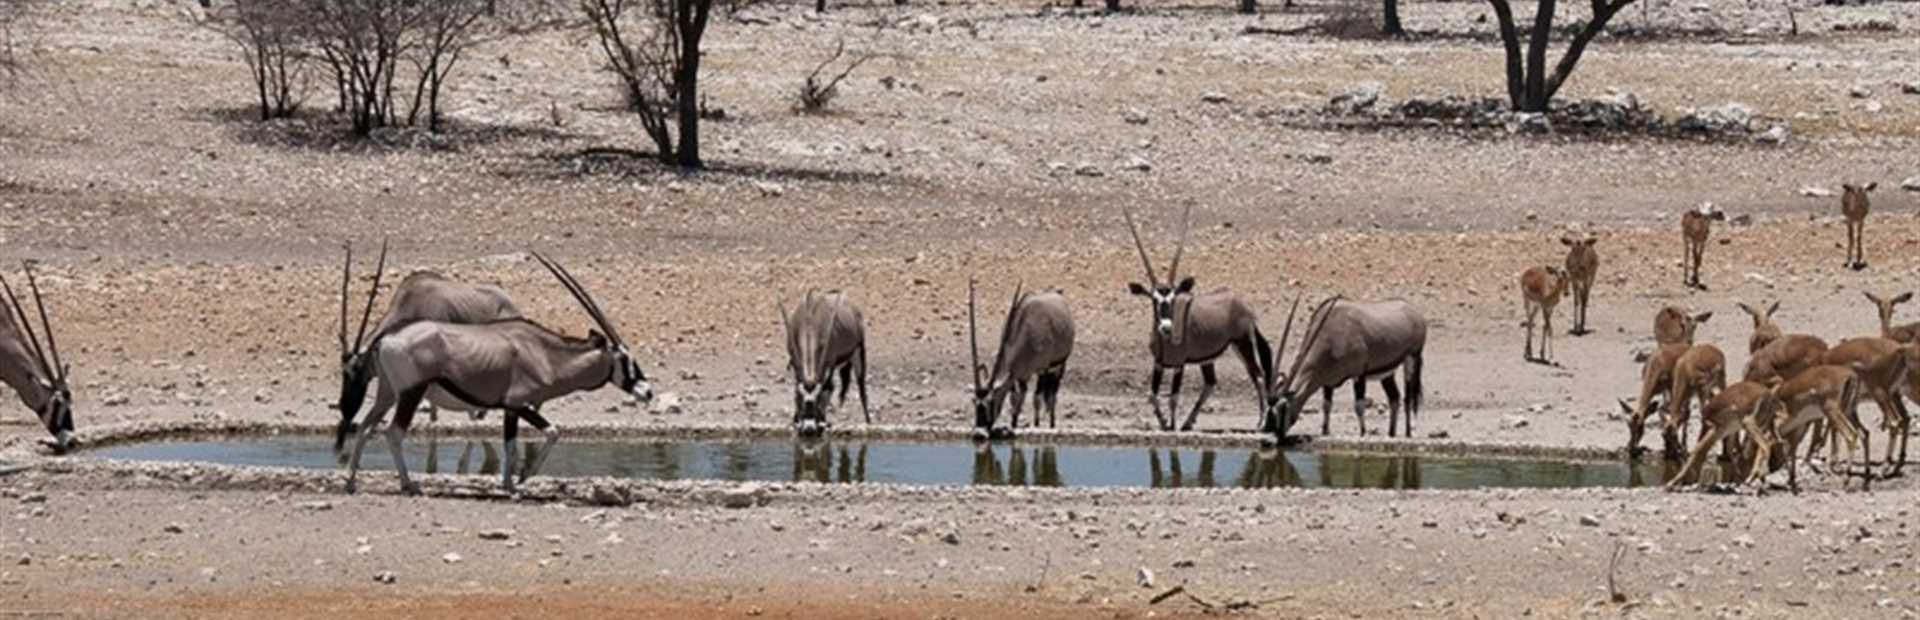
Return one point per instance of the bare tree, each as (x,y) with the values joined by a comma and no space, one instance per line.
(817,92)
(653,46)
(270,35)
(362,42)
(1529,86)
(446,33)
(1390,20)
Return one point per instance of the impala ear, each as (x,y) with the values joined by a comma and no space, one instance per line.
(1567,241)
(1702,317)
(1903,297)
(1185,286)
(1773,307)
(1870,186)
(1137,289)
(1590,241)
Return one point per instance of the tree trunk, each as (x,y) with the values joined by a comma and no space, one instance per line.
(1536,88)
(1510,38)
(1113,6)
(687,103)
(1390,20)
(819,6)
(1248,7)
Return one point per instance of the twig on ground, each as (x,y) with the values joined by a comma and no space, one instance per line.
(1613,588)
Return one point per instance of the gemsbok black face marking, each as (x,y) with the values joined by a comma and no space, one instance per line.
(41,382)
(1190,328)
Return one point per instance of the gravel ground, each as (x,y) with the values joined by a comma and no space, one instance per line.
(192,258)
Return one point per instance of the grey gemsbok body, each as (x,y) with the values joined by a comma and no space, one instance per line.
(1035,342)
(1194,328)
(40,381)
(1358,342)
(421,296)
(514,365)
(825,334)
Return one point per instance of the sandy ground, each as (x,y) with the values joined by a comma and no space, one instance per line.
(192,261)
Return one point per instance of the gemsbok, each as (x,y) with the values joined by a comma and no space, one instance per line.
(825,334)
(1695,226)
(1358,342)
(1035,342)
(1191,329)
(422,296)
(1583,264)
(514,365)
(40,382)
(1905,334)
(1854,206)
(1540,290)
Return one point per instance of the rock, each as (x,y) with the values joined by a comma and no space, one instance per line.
(1910,88)
(317,506)
(1775,135)
(1316,157)
(1732,117)
(1590,520)
(1137,164)
(26,559)
(1860,91)
(34,498)
(1134,117)
(116,400)
(174,528)
(950,537)
(1812,191)
(386,577)
(1529,122)
(609,495)
(1513,422)
(1144,577)
(669,403)
(1355,100)
(1912,184)
(744,496)
(1088,170)
(496,534)
(769,189)
(451,558)
(1438,435)
(1873,107)
(1213,97)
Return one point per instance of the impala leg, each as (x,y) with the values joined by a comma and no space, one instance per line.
(397,433)
(1207,382)
(1902,426)
(1153,397)
(1360,403)
(509,444)
(1393,406)
(546,449)
(1696,458)
(1173,397)
(1763,449)
(1527,353)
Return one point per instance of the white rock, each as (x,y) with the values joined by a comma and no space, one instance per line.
(1912,184)
(743,496)
(1144,577)
(451,558)
(385,576)
(1811,191)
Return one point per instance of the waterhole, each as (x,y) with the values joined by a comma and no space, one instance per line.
(909,462)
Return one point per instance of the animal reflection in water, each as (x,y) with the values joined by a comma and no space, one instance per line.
(488,454)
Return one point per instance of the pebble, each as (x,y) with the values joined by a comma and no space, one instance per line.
(174,528)
(743,496)
(1590,520)
(33,498)
(1213,97)
(496,534)
(1144,577)
(451,558)
(385,576)
(317,506)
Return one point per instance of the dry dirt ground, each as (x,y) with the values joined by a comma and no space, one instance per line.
(192,259)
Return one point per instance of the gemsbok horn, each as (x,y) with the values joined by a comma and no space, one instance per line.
(41,384)
(1035,342)
(421,296)
(1193,329)
(825,334)
(514,365)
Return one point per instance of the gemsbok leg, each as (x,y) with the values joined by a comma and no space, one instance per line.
(1207,382)
(1153,397)
(1393,405)
(1173,396)
(1360,403)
